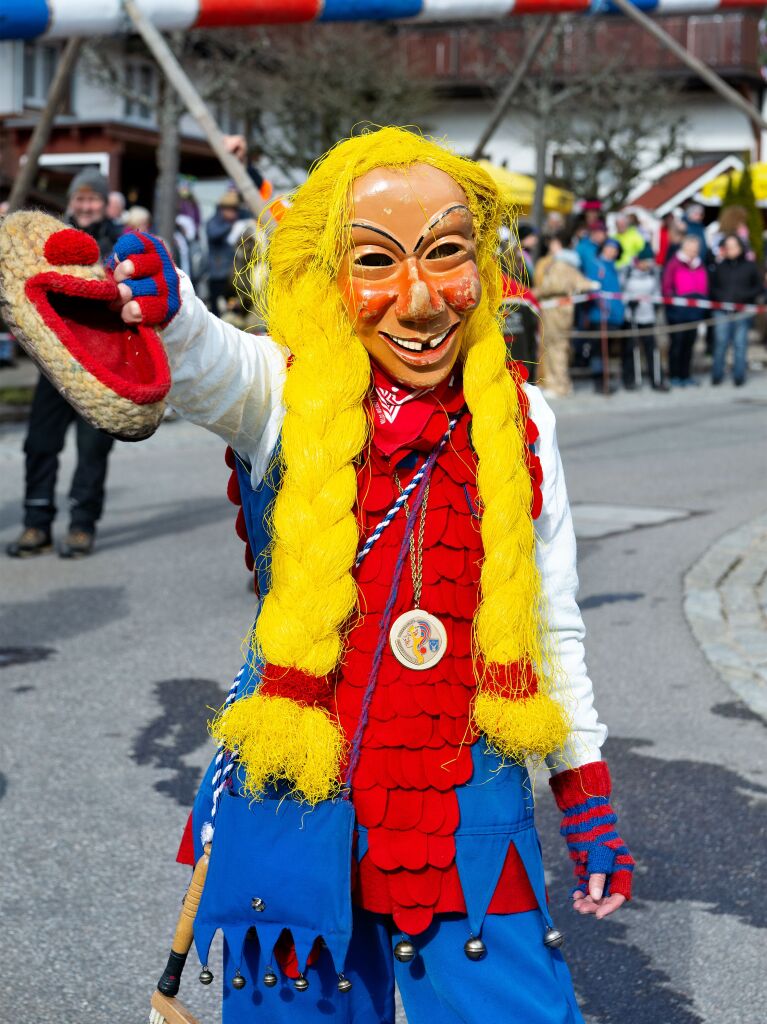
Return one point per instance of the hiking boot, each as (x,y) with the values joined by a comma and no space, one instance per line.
(77,544)
(31,541)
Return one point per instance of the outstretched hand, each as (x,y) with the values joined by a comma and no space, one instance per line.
(147,280)
(596,902)
(601,859)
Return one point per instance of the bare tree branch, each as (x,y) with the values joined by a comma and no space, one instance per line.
(603,124)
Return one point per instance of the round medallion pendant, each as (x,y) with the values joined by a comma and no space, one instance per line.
(418,639)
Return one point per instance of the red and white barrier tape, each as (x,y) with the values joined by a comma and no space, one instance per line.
(657,300)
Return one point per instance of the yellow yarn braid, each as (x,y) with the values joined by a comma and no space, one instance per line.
(313,594)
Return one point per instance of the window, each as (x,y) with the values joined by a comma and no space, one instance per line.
(141,91)
(229,123)
(40,60)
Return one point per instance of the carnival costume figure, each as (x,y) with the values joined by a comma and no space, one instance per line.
(368,816)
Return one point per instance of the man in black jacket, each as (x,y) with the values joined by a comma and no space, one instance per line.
(734,278)
(51,416)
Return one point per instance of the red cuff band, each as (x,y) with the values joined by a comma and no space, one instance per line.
(576,785)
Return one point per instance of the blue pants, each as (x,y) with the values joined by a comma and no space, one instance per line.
(726,333)
(520,981)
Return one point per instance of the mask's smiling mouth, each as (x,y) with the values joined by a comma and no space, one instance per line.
(428,348)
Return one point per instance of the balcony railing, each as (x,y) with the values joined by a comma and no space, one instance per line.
(471,56)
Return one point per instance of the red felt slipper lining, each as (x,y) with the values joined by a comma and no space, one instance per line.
(131,361)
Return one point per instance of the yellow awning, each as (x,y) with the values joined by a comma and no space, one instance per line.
(716,188)
(520,190)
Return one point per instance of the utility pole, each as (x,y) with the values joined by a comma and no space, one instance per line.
(705,73)
(507,95)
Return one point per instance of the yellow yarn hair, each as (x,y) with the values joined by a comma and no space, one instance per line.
(313,595)
(278,739)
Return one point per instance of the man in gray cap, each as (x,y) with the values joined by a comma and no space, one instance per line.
(88,195)
(51,416)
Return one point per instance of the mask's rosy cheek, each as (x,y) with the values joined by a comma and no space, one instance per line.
(368,300)
(463,290)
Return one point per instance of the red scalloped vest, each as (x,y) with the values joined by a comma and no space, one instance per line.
(417,746)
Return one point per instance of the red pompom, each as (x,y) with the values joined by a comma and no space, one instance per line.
(70,246)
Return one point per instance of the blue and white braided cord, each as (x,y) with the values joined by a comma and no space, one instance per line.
(401,500)
(222,771)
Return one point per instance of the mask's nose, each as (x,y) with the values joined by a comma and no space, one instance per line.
(417,300)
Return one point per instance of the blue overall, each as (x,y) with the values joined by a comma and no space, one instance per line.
(519,981)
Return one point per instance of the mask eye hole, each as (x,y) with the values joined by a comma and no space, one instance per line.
(374,260)
(443,250)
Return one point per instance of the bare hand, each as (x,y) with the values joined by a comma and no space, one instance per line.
(237,146)
(595,903)
(130,310)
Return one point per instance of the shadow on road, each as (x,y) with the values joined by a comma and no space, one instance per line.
(63,613)
(178,730)
(168,519)
(678,820)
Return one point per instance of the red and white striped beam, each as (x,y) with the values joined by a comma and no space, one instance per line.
(56,19)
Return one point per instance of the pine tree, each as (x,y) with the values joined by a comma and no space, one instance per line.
(730,193)
(747,199)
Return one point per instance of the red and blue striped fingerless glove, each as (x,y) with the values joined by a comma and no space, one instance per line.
(154,284)
(589,827)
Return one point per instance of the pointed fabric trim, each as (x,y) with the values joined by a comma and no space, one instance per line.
(529,849)
(268,935)
(203,937)
(235,936)
(480,860)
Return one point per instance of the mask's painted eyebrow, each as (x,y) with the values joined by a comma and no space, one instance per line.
(379,231)
(437,219)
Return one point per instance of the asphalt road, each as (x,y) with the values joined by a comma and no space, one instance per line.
(108,666)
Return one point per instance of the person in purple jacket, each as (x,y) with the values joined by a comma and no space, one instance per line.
(684,277)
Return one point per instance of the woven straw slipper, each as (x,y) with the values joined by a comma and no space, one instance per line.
(55,297)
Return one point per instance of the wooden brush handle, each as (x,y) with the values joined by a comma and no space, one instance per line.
(182,938)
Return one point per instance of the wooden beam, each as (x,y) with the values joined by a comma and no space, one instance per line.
(507,95)
(42,131)
(195,104)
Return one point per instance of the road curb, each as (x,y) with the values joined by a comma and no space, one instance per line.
(725,601)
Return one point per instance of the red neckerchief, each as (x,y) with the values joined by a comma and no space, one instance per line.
(405,419)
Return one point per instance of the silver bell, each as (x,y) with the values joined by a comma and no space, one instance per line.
(553,938)
(300,984)
(270,978)
(206,975)
(474,948)
(258,904)
(344,985)
(404,951)
(238,981)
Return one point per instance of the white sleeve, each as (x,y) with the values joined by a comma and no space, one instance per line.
(226,380)
(556,558)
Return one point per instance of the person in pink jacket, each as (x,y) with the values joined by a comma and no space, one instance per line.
(684,277)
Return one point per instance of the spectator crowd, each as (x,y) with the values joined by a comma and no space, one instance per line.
(603,286)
